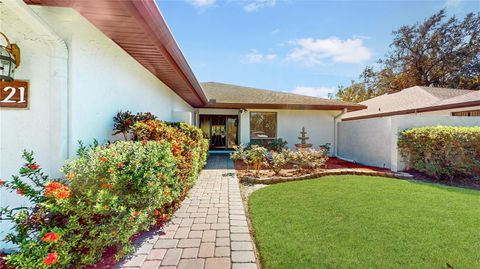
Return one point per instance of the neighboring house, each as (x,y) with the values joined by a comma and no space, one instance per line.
(237,114)
(370,136)
(420,100)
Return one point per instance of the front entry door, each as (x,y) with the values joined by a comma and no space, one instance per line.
(221,130)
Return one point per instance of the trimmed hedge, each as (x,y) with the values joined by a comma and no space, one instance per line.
(443,152)
(110,193)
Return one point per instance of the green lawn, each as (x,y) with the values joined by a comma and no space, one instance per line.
(366,222)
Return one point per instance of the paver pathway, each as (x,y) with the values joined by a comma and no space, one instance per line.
(209,230)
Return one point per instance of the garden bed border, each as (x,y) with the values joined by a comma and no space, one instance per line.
(337,172)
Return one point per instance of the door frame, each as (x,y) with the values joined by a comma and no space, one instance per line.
(209,116)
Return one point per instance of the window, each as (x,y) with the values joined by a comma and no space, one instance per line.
(472,113)
(263,125)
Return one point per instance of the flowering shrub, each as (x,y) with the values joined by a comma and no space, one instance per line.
(278,160)
(188,145)
(36,232)
(310,158)
(110,193)
(251,154)
(442,151)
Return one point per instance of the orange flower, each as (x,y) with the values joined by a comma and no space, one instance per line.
(165,217)
(110,170)
(70,175)
(156,212)
(57,189)
(176,149)
(51,258)
(20,191)
(51,237)
(136,214)
(106,185)
(120,165)
(102,159)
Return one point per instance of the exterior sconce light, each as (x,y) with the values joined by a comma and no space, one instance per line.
(9,59)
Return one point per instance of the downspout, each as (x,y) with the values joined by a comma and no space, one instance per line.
(335,132)
(59,84)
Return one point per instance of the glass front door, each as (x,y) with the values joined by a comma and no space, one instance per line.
(221,130)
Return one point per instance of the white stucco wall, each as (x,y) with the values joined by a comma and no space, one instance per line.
(319,124)
(102,79)
(374,141)
(105,79)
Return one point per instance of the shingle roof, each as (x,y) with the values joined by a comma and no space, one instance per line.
(412,99)
(223,95)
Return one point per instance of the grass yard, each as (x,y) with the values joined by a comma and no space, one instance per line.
(366,222)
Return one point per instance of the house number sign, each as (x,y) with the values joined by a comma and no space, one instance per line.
(14,94)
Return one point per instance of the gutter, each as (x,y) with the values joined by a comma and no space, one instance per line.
(59,82)
(335,131)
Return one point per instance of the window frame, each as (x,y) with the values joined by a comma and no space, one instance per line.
(250,125)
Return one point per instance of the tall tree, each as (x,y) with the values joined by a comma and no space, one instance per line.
(439,52)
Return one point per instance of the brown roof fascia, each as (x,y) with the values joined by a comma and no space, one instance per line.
(285,106)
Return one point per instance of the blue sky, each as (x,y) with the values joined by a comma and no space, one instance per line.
(307,47)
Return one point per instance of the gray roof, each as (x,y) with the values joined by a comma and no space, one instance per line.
(227,95)
(413,98)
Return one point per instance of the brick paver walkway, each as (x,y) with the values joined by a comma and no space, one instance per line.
(209,230)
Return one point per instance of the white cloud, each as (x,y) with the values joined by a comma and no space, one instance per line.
(258,4)
(274,32)
(202,3)
(312,91)
(311,51)
(255,57)
(452,3)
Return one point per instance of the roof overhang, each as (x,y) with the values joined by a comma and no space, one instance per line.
(139,28)
(416,110)
(284,106)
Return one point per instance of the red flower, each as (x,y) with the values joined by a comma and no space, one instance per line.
(33,166)
(57,189)
(120,165)
(51,237)
(51,258)
(20,191)
(2,182)
(103,159)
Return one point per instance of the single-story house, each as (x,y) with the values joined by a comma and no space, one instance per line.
(420,101)
(370,136)
(81,62)
(237,115)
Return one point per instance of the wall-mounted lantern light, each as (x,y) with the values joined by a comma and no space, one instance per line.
(9,59)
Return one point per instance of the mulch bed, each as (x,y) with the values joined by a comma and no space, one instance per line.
(337,166)
(289,171)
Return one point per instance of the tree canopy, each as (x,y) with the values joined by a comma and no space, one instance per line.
(439,52)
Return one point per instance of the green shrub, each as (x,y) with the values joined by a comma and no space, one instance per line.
(442,152)
(111,193)
(271,144)
(189,147)
(310,159)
